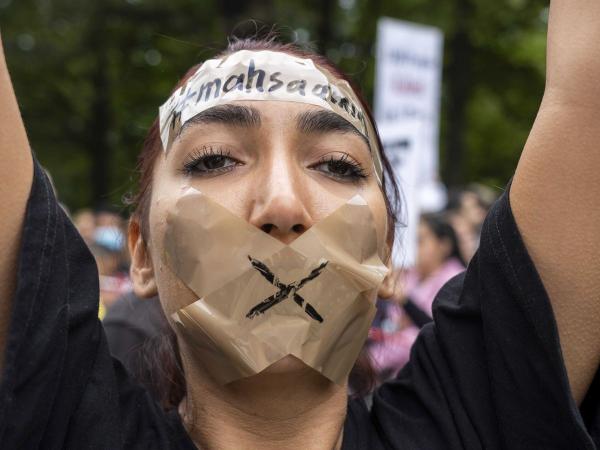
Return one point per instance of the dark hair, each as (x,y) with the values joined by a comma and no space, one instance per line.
(456,197)
(440,227)
(163,356)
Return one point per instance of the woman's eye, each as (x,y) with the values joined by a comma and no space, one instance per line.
(213,162)
(342,168)
(209,162)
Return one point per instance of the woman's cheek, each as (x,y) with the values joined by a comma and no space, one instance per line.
(376,202)
(172,291)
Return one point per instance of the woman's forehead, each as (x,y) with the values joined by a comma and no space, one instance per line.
(266,76)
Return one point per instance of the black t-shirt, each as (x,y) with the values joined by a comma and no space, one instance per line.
(487,373)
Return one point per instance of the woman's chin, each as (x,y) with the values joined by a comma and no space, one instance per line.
(288,364)
(285,389)
(287,373)
(286,370)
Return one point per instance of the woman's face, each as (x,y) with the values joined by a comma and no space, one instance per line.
(432,251)
(281,166)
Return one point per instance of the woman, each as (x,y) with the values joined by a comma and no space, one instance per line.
(489,374)
(396,329)
(466,213)
(438,260)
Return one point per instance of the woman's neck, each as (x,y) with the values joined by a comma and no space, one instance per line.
(291,408)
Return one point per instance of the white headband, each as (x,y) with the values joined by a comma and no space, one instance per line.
(265,75)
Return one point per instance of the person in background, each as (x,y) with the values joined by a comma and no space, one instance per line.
(397,325)
(135,331)
(466,211)
(85,222)
(108,248)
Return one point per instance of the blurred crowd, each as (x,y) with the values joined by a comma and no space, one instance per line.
(104,231)
(447,240)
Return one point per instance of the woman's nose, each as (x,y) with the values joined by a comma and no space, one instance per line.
(279,207)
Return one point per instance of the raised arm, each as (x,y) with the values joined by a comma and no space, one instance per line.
(16,173)
(555,194)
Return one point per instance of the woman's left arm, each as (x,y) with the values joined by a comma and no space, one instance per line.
(555,195)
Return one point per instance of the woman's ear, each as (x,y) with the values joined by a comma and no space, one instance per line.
(389,283)
(141,270)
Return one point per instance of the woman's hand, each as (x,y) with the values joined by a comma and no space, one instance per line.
(555,195)
(15,181)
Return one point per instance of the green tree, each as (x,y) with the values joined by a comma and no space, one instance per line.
(91,75)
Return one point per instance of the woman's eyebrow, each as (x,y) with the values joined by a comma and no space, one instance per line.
(228,114)
(325,122)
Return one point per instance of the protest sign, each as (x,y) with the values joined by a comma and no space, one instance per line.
(407,103)
(401,144)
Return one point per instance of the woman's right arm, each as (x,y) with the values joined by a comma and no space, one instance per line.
(16,172)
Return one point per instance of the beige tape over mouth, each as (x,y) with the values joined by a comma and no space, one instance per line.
(261,300)
(265,75)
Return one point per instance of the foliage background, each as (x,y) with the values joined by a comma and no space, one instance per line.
(89,76)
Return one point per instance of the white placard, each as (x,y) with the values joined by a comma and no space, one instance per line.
(408,80)
(402,145)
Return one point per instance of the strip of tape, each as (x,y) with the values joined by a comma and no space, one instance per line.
(261,300)
(265,75)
